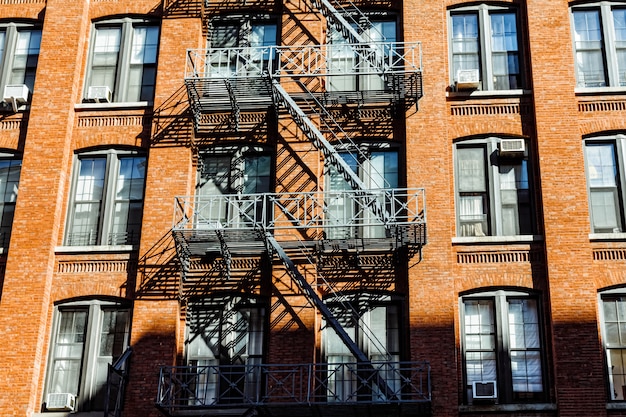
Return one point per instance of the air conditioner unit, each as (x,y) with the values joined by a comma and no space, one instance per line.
(512,147)
(467,79)
(16,95)
(61,402)
(484,390)
(99,94)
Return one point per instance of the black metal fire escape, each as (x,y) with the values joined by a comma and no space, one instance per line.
(265,86)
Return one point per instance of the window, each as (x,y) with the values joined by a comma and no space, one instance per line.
(225,339)
(372,322)
(243,170)
(613,316)
(107,198)
(493,189)
(485,40)
(10,168)
(19,52)
(605,167)
(346,61)
(239,32)
(502,344)
(379,169)
(599,32)
(123,59)
(86,338)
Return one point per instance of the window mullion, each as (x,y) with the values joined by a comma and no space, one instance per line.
(108,199)
(493,190)
(484,25)
(503,354)
(620,148)
(608,31)
(123,73)
(9,54)
(88,371)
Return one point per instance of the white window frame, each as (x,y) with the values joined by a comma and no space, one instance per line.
(231,58)
(501,333)
(344,62)
(371,177)
(608,43)
(485,48)
(225,330)
(615,350)
(234,181)
(9,189)
(619,145)
(494,187)
(8,55)
(88,386)
(366,334)
(106,218)
(120,89)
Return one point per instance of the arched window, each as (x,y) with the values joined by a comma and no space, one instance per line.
(503,347)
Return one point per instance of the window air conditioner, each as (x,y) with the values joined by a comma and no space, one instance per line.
(16,95)
(484,390)
(512,147)
(60,402)
(467,79)
(99,94)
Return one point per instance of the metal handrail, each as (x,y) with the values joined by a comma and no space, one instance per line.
(301,210)
(304,60)
(183,387)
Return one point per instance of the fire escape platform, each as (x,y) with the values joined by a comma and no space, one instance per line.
(238,81)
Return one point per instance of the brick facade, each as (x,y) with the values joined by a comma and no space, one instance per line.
(561,262)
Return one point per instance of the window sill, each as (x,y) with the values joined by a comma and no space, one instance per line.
(619,236)
(617,405)
(487,94)
(507,408)
(599,90)
(496,239)
(112,106)
(68,414)
(96,249)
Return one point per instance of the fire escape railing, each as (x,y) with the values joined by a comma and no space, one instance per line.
(301,60)
(234,386)
(301,210)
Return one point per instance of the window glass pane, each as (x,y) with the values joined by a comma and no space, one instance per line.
(515,198)
(619,23)
(9,180)
(342,63)
(257,169)
(526,371)
(88,199)
(384,170)
(616,361)
(603,187)
(504,49)
(589,48)
(465,43)
(25,58)
(68,352)
(105,56)
(142,71)
(471,169)
(263,34)
(602,170)
(128,201)
(614,309)
(3,36)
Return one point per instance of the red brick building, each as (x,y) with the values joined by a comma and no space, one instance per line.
(313,208)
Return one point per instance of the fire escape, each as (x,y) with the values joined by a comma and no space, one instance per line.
(226,87)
